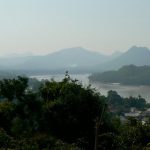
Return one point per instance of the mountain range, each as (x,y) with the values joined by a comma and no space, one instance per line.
(76,59)
(138,56)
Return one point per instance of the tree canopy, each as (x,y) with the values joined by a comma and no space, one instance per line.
(64,115)
(127,75)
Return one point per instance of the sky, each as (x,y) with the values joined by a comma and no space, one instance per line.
(45,26)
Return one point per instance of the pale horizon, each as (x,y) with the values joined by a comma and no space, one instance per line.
(41,27)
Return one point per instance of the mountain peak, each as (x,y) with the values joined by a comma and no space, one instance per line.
(138,56)
(77,49)
(138,49)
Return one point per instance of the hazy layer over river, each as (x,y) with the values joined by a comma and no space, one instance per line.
(123,90)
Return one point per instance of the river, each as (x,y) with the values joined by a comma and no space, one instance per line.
(123,90)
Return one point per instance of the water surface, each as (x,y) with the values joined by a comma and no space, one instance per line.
(123,90)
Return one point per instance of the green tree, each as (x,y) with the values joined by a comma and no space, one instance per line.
(13,88)
(70,111)
(114,99)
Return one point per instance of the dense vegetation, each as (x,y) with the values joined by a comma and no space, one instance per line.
(129,75)
(64,116)
(120,105)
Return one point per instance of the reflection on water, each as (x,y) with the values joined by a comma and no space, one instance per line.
(123,90)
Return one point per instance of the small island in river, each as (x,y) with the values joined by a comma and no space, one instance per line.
(127,75)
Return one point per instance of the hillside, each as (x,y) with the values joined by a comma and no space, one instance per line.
(138,56)
(72,59)
(75,60)
(129,75)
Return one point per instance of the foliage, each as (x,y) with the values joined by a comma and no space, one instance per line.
(65,116)
(57,109)
(120,105)
(128,75)
(13,88)
(71,109)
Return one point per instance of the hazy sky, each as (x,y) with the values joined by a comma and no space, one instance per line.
(43,26)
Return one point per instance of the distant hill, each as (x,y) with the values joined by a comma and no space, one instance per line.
(73,59)
(129,75)
(114,55)
(68,59)
(136,55)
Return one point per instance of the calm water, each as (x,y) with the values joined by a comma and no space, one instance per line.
(123,90)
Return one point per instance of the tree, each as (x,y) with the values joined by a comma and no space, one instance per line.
(114,98)
(71,110)
(132,135)
(13,88)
